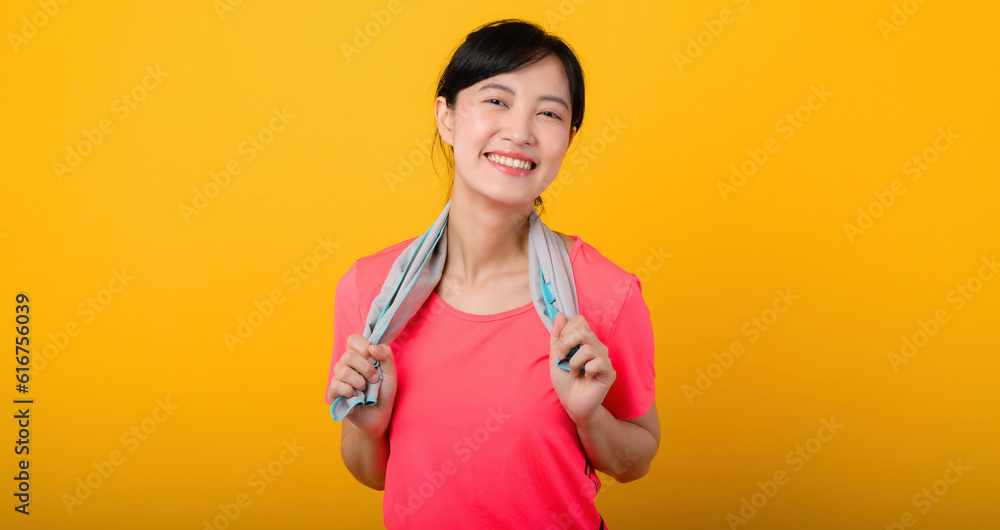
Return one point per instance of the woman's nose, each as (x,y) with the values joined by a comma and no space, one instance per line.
(517,128)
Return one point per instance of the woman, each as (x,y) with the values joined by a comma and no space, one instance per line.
(485,431)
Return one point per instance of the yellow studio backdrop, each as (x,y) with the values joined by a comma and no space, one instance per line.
(807,191)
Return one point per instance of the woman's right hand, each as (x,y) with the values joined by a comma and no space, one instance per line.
(350,373)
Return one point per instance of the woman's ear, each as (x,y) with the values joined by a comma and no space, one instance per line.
(572,134)
(445,120)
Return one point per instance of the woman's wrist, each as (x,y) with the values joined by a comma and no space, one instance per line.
(371,434)
(588,421)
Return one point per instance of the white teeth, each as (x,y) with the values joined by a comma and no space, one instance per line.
(510,162)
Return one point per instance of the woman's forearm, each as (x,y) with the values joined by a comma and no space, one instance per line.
(616,447)
(365,457)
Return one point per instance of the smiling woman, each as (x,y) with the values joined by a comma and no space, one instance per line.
(516,122)
(475,352)
(484,55)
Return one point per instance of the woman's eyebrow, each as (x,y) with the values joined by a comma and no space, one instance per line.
(507,89)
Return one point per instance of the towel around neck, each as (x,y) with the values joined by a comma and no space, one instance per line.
(417,271)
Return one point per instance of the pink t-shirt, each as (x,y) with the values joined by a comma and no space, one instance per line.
(478,436)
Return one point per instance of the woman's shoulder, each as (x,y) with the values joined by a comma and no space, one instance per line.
(600,281)
(569,241)
(583,255)
(389,253)
(368,273)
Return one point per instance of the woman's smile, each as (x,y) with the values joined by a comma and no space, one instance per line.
(511,163)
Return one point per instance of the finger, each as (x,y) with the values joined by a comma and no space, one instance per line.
(347,369)
(577,332)
(341,389)
(570,337)
(581,357)
(364,368)
(349,376)
(595,367)
(555,337)
(383,353)
(358,343)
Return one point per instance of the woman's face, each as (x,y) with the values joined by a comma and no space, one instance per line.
(522,115)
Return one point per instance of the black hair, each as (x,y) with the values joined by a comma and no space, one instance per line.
(499,47)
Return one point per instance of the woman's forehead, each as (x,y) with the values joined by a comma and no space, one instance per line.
(544,75)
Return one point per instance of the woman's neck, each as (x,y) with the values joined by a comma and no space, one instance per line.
(485,239)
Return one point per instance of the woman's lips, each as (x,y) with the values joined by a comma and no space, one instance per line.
(500,163)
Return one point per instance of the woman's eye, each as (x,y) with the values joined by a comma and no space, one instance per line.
(495,101)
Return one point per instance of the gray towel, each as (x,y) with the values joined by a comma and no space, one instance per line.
(416,273)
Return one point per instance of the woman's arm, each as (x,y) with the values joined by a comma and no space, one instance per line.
(364,455)
(623,449)
(620,448)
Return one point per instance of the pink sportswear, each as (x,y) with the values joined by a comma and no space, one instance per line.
(478,436)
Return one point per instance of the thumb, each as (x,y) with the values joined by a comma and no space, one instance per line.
(559,322)
(383,354)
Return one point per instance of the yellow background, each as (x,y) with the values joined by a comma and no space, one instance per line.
(653,186)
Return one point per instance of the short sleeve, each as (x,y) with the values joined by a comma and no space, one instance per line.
(346,318)
(630,349)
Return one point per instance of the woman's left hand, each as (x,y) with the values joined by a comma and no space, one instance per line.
(581,394)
